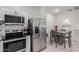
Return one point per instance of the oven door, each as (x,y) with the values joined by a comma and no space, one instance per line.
(14,46)
(13,35)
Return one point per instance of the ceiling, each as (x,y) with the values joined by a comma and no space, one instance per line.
(61,9)
(50,9)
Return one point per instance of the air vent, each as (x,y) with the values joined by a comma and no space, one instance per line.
(76,7)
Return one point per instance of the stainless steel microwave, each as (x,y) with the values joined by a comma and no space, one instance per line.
(13,19)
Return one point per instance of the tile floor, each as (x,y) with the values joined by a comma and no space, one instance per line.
(52,48)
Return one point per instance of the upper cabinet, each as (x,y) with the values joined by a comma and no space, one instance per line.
(2,12)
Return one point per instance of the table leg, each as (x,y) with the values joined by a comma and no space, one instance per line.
(69,41)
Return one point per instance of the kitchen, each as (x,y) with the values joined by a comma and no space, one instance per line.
(27,28)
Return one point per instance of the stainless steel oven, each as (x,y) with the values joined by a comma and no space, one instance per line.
(14,45)
(13,35)
(14,41)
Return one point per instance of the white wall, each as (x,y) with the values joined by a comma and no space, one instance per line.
(74,19)
(73,16)
(43,12)
(32,11)
(49,23)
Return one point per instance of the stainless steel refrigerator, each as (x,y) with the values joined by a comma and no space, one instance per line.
(38,37)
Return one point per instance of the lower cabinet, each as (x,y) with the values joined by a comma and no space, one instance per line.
(1,46)
(14,46)
(27,43)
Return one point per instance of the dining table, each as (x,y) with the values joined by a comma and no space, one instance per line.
(62,35)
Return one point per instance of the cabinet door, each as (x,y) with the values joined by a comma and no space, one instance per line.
(2,27)
(2,12)
(1,46)
(28,43)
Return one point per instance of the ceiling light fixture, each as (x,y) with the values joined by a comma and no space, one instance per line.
(56,10)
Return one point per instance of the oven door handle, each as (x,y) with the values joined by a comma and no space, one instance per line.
(6,50)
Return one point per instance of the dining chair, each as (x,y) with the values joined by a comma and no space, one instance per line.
(52,37)
(58,39)
(68,39)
